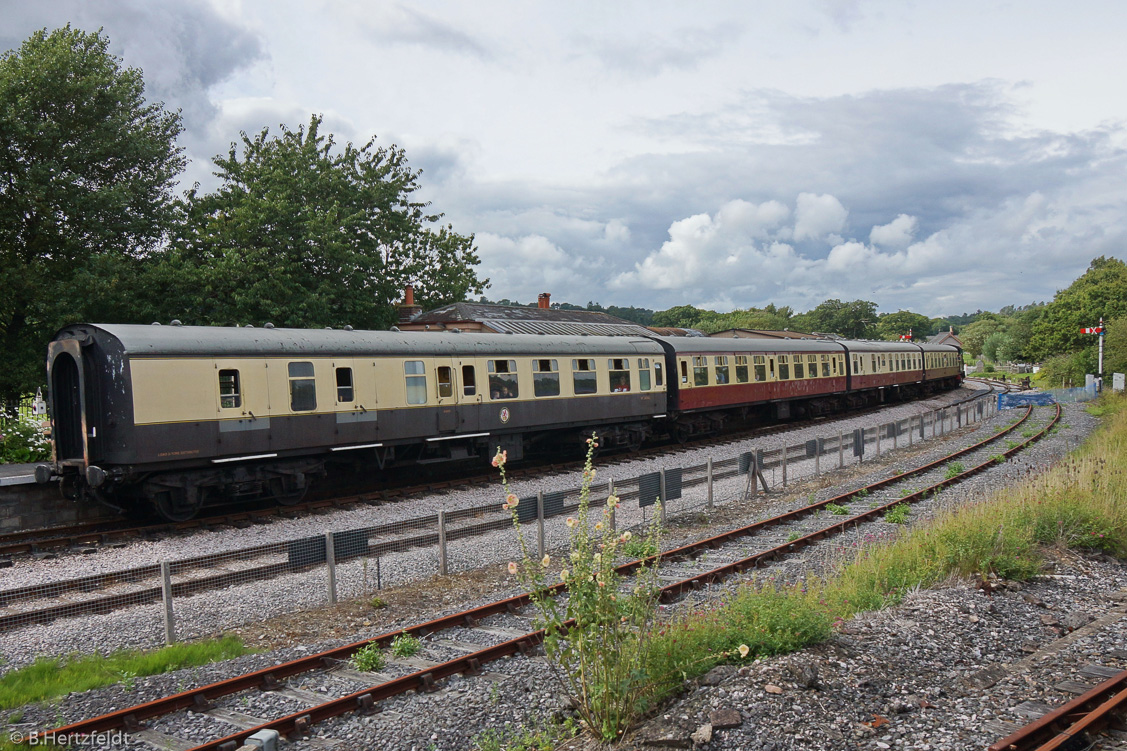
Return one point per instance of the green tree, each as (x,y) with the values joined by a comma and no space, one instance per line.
(891,326)
(1115,348)
(302,233)
(975,334)
(853,320)
(1100,292)
(87,169)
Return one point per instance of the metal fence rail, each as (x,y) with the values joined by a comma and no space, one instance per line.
(321,568)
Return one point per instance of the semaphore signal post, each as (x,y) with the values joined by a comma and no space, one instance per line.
(1099,330)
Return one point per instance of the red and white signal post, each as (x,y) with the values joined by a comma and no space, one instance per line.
(1099,330)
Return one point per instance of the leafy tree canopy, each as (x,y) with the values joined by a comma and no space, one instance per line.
(302,233)
(853,320)
(87,169)
(891,326)
(1100,292)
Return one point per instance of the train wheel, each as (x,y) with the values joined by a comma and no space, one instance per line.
(177,504)
(288,491)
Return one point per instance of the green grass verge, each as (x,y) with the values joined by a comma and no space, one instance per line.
(48,678)
(1076,505)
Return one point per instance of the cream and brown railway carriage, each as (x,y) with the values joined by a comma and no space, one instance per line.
(179,417)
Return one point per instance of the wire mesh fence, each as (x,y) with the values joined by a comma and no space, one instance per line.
(272,578)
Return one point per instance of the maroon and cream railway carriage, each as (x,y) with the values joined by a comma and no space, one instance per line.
(176,418)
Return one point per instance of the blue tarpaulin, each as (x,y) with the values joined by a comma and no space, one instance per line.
(1037,399)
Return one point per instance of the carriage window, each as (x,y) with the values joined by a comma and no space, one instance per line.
(874,359)
(721,362)
(344,384)
(303,389)
(741,369)
(826,366)
(545,378)
(230,396)
(784,367)
(445,382)
(700,371)
(619,374)
(760,368)
(659,379)
(812,366)
(503,379)
(798,369)
(416,382)
(684,371)
(583,376)
(644,373)
(469,382)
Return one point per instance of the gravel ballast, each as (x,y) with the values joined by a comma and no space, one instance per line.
(913,666)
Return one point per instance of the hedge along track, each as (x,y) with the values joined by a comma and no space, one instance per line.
(425,678)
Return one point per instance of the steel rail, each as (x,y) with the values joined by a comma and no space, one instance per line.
(300,722)
(1087,712)
(201,698)
(108,603)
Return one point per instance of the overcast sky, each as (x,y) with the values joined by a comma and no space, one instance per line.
(934,156)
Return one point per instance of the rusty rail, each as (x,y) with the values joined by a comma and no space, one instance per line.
(1089,712)
(201,698)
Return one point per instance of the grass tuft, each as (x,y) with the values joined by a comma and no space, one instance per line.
(47,678)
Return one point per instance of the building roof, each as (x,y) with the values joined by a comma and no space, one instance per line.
(526,320)
(945,337)
(765,334)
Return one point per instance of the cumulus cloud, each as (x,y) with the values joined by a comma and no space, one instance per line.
(818,217)
(522,267)
(897,233)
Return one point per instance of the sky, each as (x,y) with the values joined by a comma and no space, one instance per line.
(934,157)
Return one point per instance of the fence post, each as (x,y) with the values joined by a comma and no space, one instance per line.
(895,434)
(878,440)
(910,431)
(166,595)
(784,465)
(709,475)
(613,510)
(840,450)
(540,523)
(442,560)
(662,500)
(817,456)
(331,567)
(934,422)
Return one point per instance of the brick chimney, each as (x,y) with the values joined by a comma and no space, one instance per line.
(544,302)
(408,310)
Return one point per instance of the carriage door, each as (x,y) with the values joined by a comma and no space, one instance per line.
(446,384)
(468,392)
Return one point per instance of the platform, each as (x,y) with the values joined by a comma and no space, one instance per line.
(17,474)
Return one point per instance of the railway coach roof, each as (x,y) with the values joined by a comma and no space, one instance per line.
(709,345)
(230,341)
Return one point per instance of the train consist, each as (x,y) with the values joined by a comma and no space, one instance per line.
(172,419)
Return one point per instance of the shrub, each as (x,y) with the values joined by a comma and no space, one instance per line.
(22,441)
(837,509)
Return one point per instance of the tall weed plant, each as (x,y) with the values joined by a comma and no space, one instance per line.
(597,636)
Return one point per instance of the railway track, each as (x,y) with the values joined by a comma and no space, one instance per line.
(695,568)
(45,603)
(89,537)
